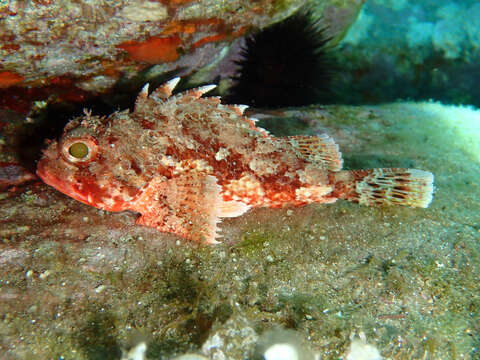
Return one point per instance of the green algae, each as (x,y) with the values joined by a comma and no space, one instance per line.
(97,337)
(253,243)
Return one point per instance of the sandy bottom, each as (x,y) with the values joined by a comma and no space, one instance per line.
(80,283)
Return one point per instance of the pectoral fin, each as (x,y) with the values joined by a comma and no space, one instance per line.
(190,206)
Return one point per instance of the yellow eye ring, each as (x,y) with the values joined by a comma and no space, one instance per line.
(78,150)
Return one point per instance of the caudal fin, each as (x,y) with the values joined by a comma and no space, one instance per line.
(393,186)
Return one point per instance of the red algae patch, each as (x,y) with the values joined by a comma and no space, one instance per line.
(219,37)
(208,39)
(8,79)
(153,50)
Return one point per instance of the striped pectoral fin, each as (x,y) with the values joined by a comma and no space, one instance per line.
(392,186)
(190,206)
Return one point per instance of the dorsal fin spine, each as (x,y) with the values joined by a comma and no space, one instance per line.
(165,91)
(141,98)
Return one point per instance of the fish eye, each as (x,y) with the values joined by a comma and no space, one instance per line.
(78,150)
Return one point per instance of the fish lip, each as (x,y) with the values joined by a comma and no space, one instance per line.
(46,177)
(57,183)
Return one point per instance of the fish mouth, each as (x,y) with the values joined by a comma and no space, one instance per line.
(58,183)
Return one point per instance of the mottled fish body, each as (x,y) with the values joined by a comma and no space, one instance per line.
(186,161)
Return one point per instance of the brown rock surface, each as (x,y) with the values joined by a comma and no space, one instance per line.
(69,50)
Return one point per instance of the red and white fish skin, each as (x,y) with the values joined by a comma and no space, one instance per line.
(186,161)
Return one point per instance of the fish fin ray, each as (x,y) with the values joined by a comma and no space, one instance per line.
(142,99)
(165,90)
(320,150)
(232,208)
(190,206)
(390,186)
(196,93)
(199,91)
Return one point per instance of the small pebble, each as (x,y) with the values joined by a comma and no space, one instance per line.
(191,357)
(100,288)
(281,352)
(45,274)
(29,274)
(136,353)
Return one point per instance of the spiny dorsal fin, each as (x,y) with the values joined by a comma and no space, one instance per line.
(141,98)
(145,104)
(320,150)
(239,109)
(196,93)
(164,91)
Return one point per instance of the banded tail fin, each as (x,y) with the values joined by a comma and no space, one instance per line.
(393,186)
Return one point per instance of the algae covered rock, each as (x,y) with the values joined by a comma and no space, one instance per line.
(69,50)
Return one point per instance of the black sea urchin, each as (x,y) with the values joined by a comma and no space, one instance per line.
(286,64)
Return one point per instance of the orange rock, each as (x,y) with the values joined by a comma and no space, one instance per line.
(190,26)
(207,39)
(176,27)
(13,47)
(153,50)
(8,79)
(219,37)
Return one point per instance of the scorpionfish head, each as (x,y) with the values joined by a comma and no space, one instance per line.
(80,165)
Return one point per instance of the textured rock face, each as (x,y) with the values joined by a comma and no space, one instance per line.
(80,47)
(87,39)
(74,48)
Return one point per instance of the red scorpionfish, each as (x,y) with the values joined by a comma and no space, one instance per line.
(186,161)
